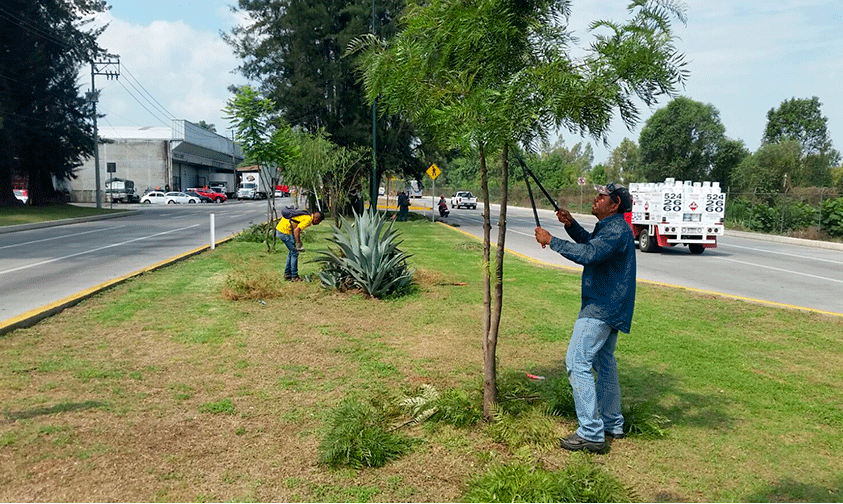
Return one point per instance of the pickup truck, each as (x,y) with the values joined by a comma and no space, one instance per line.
(463,199)
(208,192)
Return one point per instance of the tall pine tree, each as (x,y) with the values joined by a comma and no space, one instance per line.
(296,50)
(45,126)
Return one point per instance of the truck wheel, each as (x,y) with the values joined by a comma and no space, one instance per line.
(696,248)
(645,241)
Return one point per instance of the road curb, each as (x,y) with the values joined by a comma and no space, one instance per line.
(34,316)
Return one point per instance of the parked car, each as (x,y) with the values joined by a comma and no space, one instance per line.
(463,199)
(202,197)
(22,194)
(282,191)
(208,192)
(179,197)
(154,197)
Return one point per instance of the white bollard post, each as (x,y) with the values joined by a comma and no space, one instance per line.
(213,234)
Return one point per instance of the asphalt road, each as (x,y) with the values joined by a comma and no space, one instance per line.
(39,267)
(42,266)
(744,265)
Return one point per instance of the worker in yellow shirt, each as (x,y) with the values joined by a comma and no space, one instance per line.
(289,231)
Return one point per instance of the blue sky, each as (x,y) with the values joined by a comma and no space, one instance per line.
(745,57)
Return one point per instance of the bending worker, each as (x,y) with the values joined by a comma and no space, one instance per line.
(608,296)
(289,231)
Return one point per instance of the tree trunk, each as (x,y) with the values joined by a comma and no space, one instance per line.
(498,301)
(489,344)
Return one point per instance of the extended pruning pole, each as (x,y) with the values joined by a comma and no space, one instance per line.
(530,172)
(530,192)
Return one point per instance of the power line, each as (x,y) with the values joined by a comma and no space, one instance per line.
(147,92)
(142,105)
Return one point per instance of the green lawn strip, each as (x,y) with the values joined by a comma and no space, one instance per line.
(10,216)
(751,392)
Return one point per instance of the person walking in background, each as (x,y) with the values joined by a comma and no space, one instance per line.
(608,297)
(289,231)
(403,206)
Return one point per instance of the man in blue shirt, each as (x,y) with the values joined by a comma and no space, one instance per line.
(608,298)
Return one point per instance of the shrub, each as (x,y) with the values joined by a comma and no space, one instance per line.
(581,480)
(832,216)
(368,258)
(358,439)
(533,427)
(640,420)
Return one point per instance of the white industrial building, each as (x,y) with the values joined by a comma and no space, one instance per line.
(179,157)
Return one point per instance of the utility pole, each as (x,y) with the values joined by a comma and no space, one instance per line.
(110,69)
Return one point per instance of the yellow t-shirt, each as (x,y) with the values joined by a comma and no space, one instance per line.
(302,221)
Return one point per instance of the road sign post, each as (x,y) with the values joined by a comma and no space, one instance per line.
(433,172)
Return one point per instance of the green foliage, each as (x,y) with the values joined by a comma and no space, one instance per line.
(639,420)
(225,407)
(772,168)
(681,141)
(46,129)
(832,216)
(367,258)
(801,120)
(531,427)
(357,438)
(455,407)
(778,216)
(458,408)
(256,233)
(295,50)
(582,480)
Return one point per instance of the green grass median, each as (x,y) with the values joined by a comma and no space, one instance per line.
(10,216)
(216,380)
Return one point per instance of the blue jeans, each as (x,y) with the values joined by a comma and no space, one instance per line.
(598,404)
(291,269)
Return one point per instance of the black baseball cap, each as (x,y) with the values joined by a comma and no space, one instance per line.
(618,193)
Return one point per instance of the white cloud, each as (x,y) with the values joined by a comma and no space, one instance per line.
(187,71)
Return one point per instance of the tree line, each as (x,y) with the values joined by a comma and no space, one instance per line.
(46,126)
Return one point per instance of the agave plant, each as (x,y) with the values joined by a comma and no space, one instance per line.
(368,257)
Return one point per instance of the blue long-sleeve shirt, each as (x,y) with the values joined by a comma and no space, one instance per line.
(608,278)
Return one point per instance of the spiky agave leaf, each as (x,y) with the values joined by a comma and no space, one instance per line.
(368,257)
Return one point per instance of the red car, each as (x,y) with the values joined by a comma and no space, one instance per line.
(215,196)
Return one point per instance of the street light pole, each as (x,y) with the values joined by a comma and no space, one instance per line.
(373,186)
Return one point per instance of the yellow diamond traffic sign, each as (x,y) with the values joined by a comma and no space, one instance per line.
(433,171)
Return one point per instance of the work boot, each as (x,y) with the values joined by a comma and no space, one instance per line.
(575,443)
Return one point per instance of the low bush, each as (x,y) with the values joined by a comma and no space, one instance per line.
(357,438)
(582,480)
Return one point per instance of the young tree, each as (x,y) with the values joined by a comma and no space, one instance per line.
(265,138)
(487,75)
(624,162)
(46,129)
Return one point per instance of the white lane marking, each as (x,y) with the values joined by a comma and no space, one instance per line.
(94,250)
(782,270)
(780,253)
(63,236)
